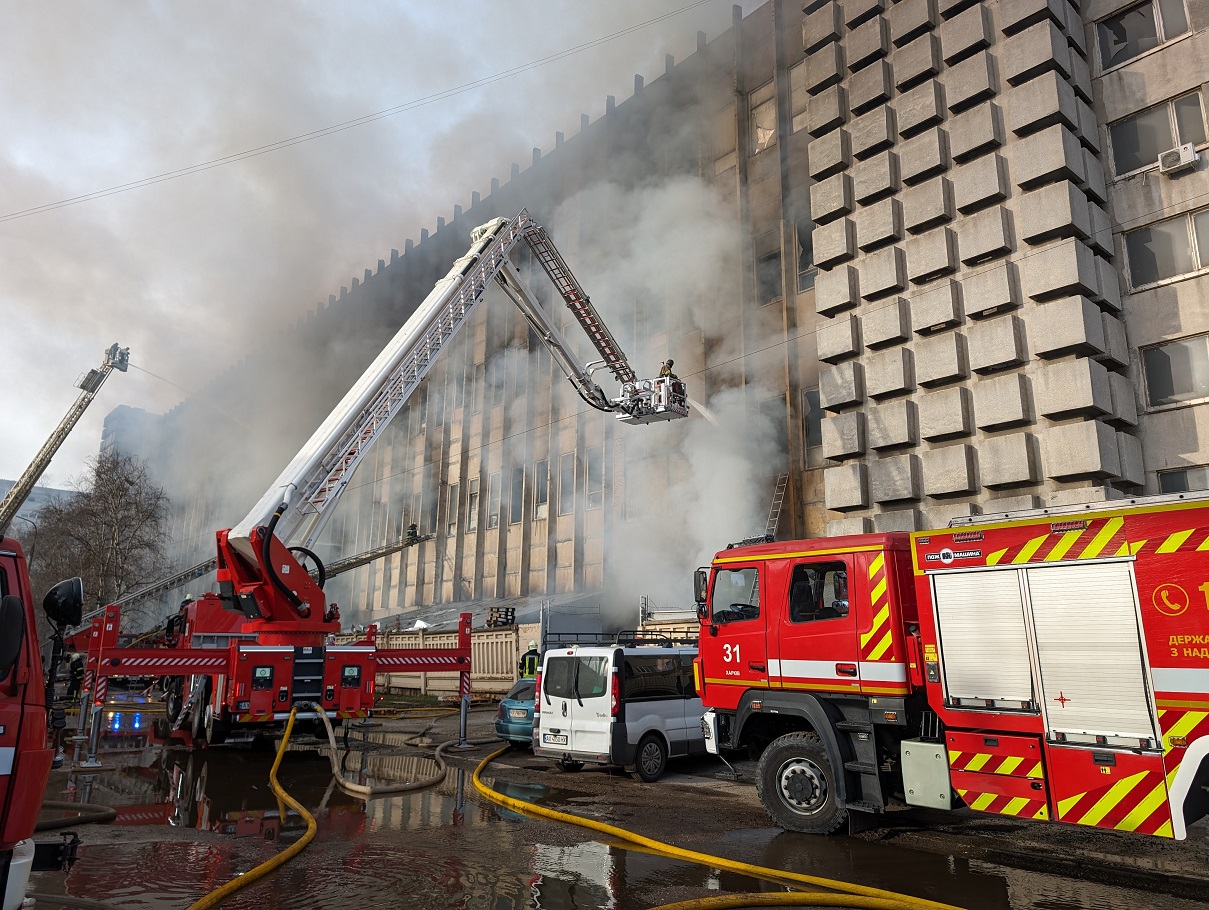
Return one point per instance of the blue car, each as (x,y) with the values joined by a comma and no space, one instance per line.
(514,722)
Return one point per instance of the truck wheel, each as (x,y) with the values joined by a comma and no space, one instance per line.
(197,715)
(173,701)
(217,728)
(796,785)
(651,759)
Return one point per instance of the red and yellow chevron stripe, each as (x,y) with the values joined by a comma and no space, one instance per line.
(1137,802)
(1102,537)
(986,763)
(878,642)
(997,804)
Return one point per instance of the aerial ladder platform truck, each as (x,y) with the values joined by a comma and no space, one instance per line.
(1050,665)
(234,679)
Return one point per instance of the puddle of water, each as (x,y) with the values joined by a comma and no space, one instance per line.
(444,848)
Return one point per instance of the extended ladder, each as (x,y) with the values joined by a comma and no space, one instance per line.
(774,512)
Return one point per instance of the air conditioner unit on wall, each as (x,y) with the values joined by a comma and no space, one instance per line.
(1180,158)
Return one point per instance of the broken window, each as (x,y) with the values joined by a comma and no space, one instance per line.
(763,103)
(1138,141)
(798,97)
(1177,372)
(768,279)
(807,270)
(1140,29)
(595,482)
(566,483)
(516,499)
(541,489)
(472,505)
(812,420)
(451,514)
(493,500)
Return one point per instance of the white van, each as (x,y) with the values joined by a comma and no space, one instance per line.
(614,705)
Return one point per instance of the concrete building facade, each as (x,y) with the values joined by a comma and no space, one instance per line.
(969,243)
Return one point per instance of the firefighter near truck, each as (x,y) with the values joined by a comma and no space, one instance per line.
(1051,666)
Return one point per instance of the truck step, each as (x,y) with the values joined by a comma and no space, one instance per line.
(863,767)
(859,805)
(855,725)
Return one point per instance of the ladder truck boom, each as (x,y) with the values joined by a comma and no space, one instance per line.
(116,358)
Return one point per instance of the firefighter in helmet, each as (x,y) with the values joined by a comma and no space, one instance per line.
(666,369)
(529,661)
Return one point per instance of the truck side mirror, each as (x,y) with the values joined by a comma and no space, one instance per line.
(64,603)
(12,632)
(700,587)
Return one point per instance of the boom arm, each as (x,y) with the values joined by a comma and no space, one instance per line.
(90,383)
(299,503)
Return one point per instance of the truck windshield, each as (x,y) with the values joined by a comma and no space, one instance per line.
(736,595)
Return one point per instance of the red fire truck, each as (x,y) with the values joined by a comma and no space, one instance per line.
(1051,665)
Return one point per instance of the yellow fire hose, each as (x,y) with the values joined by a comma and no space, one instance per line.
(217,896)
(849,894)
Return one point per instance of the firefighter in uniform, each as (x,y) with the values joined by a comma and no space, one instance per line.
(529,661)
(666,369)
(413,533)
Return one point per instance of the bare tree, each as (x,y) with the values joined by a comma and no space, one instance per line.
(110,533)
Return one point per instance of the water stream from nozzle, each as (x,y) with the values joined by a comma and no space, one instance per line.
(705,412)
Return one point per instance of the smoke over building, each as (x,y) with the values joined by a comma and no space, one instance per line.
(880,242)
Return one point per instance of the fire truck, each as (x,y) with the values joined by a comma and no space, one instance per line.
(1050,665)
(239,677)
(25,751)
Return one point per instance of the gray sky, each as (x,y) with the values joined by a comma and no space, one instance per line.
(194,272)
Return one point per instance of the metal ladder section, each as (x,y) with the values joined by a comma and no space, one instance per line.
(578,303)
(308,674)
(324,486)
(774,512)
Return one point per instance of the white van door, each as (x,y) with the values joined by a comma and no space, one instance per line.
(576,703)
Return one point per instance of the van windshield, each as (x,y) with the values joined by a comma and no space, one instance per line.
(568,677)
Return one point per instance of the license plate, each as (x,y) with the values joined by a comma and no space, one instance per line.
(518,713)
(551,739)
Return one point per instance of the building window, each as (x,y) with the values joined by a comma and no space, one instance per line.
(595,480)
(1139,29)
(723,136)
(812,419)
(452,513)
(1177,372)
(768,279)
(480,377)
(763,103)
(493,499)
(807,270)
(541,489)
(498,371)
(774,410)
(1185,480)
(566,483)
(798,97)
(417,505)
(472,505)
(1168,249)
(516,501)
(1138,141)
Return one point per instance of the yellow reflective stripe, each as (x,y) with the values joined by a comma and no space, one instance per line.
(1065,805)
(978,761)
(1009,765)
(1134,547)
(1100,541)
(1027,551)
(1181,726)
(983,801)
(764,557)
(1036,772)
(1042,813)
(879,591)
(876,566)
(1065,543)
(882,646)
(1109,800)
(1204,545)
(1144,809)
(953,756)
(878,621)
(1174,542)
(1122,550)
(1164,830)
(993,559)
(1016,806)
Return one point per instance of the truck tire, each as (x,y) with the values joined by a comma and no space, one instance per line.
(650,760)
(797,785)
(173,699)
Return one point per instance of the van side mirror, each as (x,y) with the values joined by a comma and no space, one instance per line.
(64,603)
(700,586)
(12,632)
(703,612)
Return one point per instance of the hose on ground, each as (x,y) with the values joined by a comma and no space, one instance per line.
(367,792)
(785,899)
(874,898)
(217,896)
(86,814)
